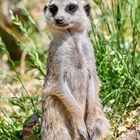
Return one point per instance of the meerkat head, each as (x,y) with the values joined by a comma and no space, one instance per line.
(67,14)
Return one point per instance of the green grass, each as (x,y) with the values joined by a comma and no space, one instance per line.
(115,36)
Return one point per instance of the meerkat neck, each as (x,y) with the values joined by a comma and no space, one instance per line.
(76,35)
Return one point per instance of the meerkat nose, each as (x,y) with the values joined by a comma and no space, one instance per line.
(59,21)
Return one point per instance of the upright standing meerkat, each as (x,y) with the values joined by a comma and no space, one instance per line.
(71,106)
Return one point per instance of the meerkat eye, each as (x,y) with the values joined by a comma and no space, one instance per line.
(71,8)
(53,9)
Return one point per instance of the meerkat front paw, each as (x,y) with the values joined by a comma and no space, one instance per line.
(90,125)
(98,129)
(81,130)
(82,133)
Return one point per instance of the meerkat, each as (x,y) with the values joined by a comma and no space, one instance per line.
(70,98)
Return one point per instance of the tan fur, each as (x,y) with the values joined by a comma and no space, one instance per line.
(70,100)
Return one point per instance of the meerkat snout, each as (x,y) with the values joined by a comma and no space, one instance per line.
(60,21)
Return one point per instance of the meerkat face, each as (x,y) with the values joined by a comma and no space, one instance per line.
(67,14)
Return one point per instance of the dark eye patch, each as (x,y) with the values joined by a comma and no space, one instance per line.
(71,8)
(53,9)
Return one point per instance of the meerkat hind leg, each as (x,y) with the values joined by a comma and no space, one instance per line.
(97,124)
(53,120)
(98,127)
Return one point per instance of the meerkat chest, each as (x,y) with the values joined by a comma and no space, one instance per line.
(74,63)
(73,58)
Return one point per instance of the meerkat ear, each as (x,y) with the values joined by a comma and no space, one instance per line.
(87,9)
(45,8)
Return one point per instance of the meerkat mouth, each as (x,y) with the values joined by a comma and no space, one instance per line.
(62,25)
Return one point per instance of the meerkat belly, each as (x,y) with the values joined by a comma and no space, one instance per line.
(77,78)
(77,84)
